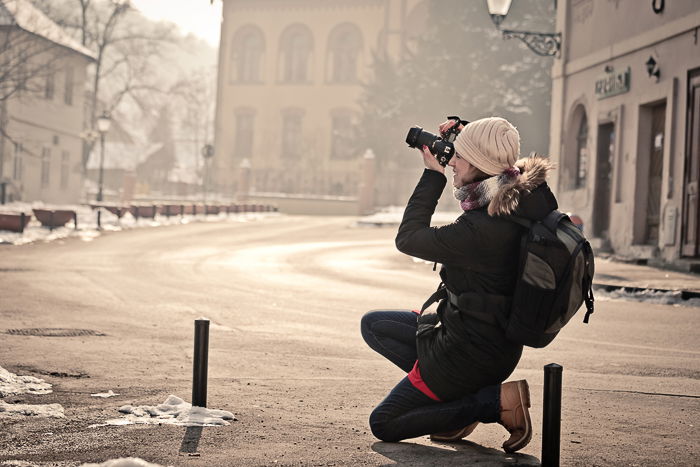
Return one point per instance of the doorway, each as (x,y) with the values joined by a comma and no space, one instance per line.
(605,149)
(690,228)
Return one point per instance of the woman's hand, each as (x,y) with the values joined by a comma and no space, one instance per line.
(444,126)
(430,161)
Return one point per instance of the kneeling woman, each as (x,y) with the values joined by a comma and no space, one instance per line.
(458,358)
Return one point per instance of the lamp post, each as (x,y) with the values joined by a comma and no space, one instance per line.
(103,123)
(542,43)
(207,153)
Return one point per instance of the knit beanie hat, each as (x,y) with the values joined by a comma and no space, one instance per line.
(492,144)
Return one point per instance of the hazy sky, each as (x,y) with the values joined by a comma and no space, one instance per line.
(199,17)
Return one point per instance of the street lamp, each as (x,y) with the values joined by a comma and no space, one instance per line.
(103,123)
(542,43)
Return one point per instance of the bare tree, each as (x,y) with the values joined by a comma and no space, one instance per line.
(123,42)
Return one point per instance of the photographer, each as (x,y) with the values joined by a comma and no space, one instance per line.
(457,358)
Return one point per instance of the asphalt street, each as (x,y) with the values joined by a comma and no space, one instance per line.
(285,296)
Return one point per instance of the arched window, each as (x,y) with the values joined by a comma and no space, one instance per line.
(247,51)
(296,46)
(344,46)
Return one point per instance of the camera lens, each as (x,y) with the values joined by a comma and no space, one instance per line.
(412,136)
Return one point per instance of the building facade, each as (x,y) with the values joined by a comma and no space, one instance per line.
(42,106)
(625,125)
(290,73)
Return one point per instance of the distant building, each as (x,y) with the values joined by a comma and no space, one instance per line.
(290,72)
(625,125)
(42,92)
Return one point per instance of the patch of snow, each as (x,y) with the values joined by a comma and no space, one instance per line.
(87,223)
(124,462)
(40,410)
(109,393)
(648,296)
(392,215)
(174,411)
(11,384)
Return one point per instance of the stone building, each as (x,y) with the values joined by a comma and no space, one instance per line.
(289,77)
(44,72)
(625,125)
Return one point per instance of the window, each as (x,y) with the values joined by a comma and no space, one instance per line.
(342,132)
(244,135)
(50,85)
(17,163)
(582,152)
(247,49)
(45,166)
(69,84)
(65,169)
(296,46)
(344,45)
(291,135)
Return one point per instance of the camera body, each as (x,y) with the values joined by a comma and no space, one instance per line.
(441,147)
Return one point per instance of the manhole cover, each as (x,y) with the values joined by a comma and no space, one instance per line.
(53,332)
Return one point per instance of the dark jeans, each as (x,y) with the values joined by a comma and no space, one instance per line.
(406,412)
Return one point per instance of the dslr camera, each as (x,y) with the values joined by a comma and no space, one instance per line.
(441,147)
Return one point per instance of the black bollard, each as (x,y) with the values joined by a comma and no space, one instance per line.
(551,417)
(22,220)
(99,218)
(201,356)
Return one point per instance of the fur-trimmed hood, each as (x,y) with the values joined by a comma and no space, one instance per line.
(527,195)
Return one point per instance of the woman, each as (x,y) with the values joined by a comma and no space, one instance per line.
(457,358)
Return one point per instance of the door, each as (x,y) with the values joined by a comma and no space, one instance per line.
(603,180)
(656,164)
(689,227)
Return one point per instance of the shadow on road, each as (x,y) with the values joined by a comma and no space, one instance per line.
(190,442)
(461,453)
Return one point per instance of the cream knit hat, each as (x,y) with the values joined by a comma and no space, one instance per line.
(492,144)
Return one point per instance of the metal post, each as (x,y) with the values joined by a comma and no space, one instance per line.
(201,356)
(22,220)
(99,220)
(75,220)
(551,417)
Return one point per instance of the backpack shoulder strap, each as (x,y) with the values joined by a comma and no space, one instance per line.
(552,220)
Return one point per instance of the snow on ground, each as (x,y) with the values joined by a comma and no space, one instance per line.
(87,223)
(392,216)
(11,384)
(105,395)
(174,411)
(648,296)
(124,462)
(40,410)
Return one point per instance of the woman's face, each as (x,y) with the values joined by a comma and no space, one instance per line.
(463,172)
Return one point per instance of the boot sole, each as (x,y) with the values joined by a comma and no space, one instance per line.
(463,433)
(524,393)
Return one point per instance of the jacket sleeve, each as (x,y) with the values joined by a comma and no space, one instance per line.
(447,244)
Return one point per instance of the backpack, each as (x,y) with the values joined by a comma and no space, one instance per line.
(555,277)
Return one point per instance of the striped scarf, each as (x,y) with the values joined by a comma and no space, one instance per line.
(479,194)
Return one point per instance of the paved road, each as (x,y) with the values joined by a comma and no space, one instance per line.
(285,296)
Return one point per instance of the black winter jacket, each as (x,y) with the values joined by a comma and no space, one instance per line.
(458,353)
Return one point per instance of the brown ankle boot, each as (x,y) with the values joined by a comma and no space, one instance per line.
(455,435)
(515,417)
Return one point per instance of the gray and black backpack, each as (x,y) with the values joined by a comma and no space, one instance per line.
(555,278)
